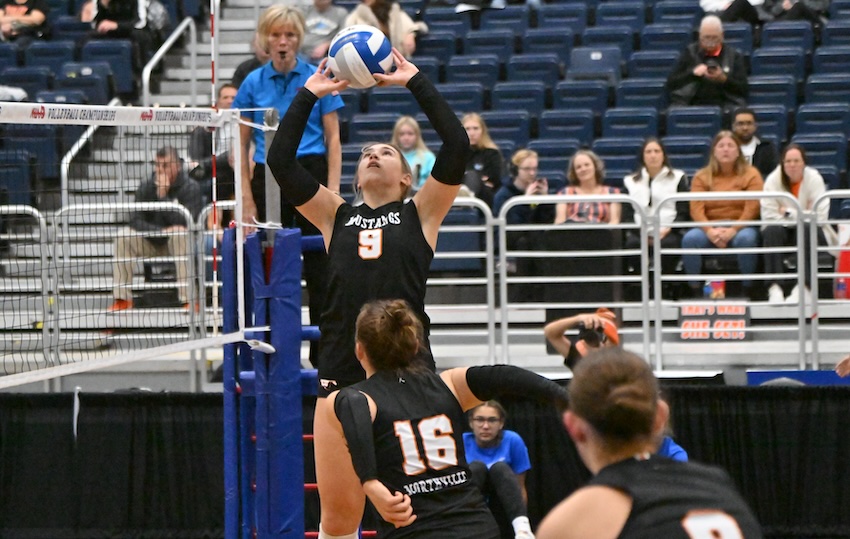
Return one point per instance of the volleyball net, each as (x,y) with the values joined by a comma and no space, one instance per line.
(91,276)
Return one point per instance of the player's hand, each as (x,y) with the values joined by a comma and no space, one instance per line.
(404,71)
(843,367)
(322,83)
(395,508)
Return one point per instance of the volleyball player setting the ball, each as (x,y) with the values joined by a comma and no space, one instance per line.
(381,249)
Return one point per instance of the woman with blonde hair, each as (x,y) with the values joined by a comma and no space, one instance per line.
(727,171)
(586,176)
(408,137)
(484,167)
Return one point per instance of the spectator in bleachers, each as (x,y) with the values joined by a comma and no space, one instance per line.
(814,11)
(727,171)
(322,21)
(806,184)
(484,168)
(407,135)
(22,21)
(200,151)
(261,57)
(525,182)
(86,13)
(734,10)
(166,232)
(654,180)
(595,330)
(125,19)
(586,176)
(709,72)
(761,154)
(391,20)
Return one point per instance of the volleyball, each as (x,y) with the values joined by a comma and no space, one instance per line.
(359,51)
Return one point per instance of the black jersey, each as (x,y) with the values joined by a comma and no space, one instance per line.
(418,433)
(679,500)
(374,254)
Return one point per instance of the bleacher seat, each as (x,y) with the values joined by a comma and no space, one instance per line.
(681,12)
(603,36)
(832,59)
(652,63)
(352,98)
(31,79)
(619,155)
(768,61)
(542,66)
(596,63)
(9,55)
(739,35)
(50,54)
(690,121)
(118,53)
(688,153)
(431,67)
(513,17)
(576,124)
(619,13)
(93,78)
(839,9)
(463,96)
(773,121)
(836,32)
(42,141)
(824,149)
(641,92)
(440,44)
(555,40)
(554,153)
(639,122)
(351,152)
(512,125)
(582,94)
(466,241)
(371,127)
(66,97)
(572,16)
(814,118)
(529,96)
(665,37)
(482,68)
(432,140)
(444,19)
(69,27)
(392,99)
(788,34)
(499,42)
(17,176)
(773,90)
(828,88)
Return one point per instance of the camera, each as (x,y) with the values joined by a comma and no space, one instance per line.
(594,337)
(712,64)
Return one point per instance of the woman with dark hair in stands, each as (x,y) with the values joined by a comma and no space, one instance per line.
(411,421)
(615,417)
(586,176)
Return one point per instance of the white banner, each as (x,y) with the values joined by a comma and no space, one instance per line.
(51,113)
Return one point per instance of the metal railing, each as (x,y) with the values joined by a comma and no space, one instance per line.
(186,24)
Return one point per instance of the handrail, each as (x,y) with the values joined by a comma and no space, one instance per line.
(193,62)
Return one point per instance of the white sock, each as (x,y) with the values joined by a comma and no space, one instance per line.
(325,535)
(522,527)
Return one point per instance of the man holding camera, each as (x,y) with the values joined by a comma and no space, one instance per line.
(595,330)
(709,72)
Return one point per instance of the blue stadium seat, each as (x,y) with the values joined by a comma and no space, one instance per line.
(513,17)
(351,152)
(17,176)
(773,121)
(463,96)
(576,124)
(514,125)
(483,68)
(839,9)
(828,88)
(371,127)
(639,122)
(9,55)
(814,118)
(602,36)
(739,35)
(824,150)
(499,42)
(652,63)
(681,12)
(432,140)
(788,34)
(832,59)
(118,53)
(465,241)
(619,155)
(665,37)
(767,61)
(529,96)
(68,27)
(773,90)
(392,99)
(554,153)
(43,142)
(690,121)
(836,33)
(596,63)
(67,97)
(31,79)
(619,13)
(641,92)
(431,67)
(353,99)
(50,54)
(93,78)
(582,94)
(544,67)
(444,19)
(572,16)
(555,40)
(688,153)
(439,44)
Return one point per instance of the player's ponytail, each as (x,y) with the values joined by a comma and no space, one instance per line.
(390,334)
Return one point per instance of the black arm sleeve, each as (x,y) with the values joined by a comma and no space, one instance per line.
(454,153)
(487,382)
(352,410)
(296,184)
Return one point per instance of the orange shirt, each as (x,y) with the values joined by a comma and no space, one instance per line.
(726,210)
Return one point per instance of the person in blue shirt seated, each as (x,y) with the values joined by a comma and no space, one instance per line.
(498,459)
(666,446)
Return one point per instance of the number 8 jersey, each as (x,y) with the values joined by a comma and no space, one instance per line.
(374,254)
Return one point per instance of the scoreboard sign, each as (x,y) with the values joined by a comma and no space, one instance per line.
(714,322)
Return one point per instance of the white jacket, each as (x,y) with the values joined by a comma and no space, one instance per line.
(649,194)
(812,187)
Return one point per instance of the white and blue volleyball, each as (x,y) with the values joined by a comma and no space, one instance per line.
(359,51)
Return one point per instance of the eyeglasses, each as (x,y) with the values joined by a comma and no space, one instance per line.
(480,420)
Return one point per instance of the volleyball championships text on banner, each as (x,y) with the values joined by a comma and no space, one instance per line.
(36,113)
